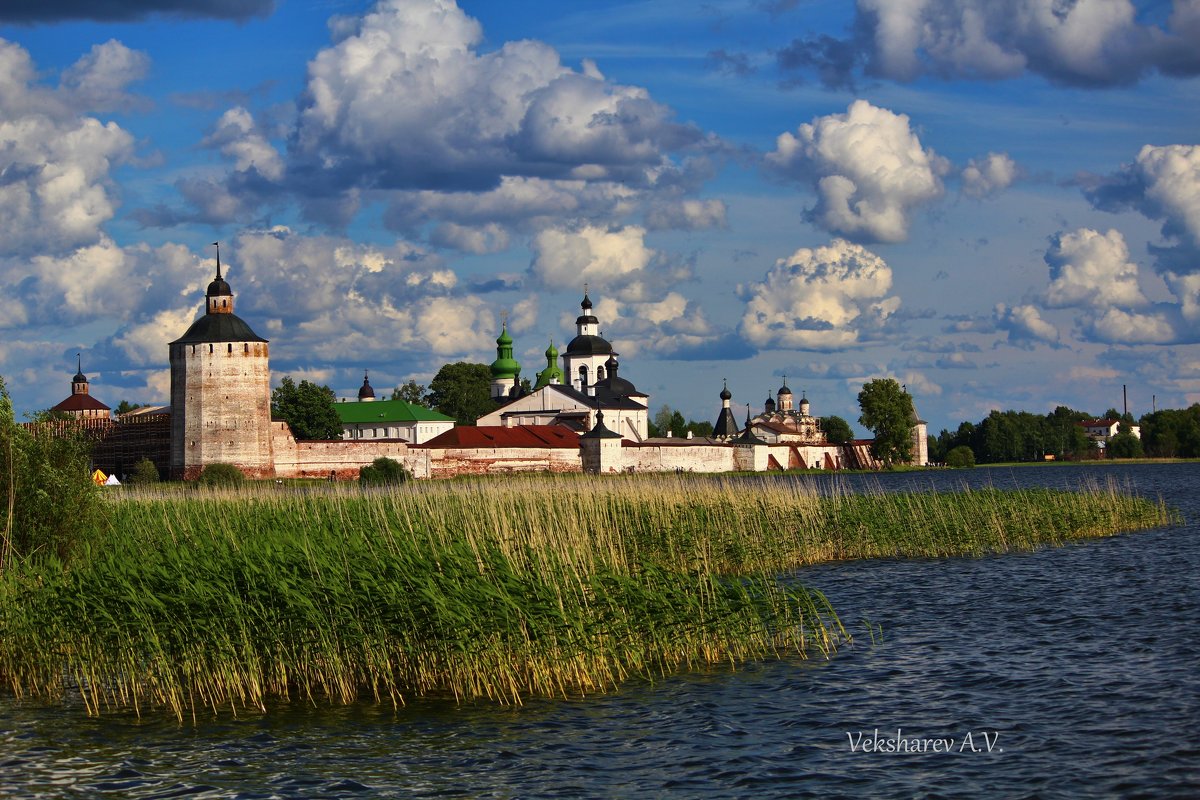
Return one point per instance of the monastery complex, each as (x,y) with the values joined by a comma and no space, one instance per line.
(584,416)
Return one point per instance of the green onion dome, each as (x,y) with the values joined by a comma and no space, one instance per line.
(505,367)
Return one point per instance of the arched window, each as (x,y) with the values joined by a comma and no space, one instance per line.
(230,348)
(210,348)
(583,375)
(599,374)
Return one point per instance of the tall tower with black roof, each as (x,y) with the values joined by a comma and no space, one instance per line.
(586,354)
(220,392)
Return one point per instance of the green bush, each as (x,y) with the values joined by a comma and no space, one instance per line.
(383,471)
(48,503)
(144,472)
(221,475)
(961,456)
(1125,445)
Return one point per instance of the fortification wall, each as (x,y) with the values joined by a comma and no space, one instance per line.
(450,462)
(673,458)
(318,459)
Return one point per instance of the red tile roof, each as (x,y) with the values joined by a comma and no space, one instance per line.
(497,436)
(81,402)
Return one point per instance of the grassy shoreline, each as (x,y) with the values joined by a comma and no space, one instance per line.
(531,586)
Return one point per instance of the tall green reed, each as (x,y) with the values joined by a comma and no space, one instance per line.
(533,586)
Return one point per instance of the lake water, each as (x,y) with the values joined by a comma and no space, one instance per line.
(1075,671)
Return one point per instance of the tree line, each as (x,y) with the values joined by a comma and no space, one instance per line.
(1024,436)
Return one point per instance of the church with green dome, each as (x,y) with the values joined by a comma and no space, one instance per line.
(506,371)
(574,394)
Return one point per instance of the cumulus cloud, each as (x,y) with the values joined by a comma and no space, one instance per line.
(670,326)
(240,139)
(99,281)
(404,100)
(601,256)
(1024,325)
(463,148)
(1091,272)
(1118,326)
(827,298)
(144,343)
(633,287)
(990,175)
(1163,183)
(98,79)
(340,302)
(1091,269)
(868,168)
(1096,43)
(28,11)
(55,185)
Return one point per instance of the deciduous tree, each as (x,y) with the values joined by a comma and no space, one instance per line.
(836,429)
(411,392)
(308,409)
(1125,444)
(462,390)
(887,411)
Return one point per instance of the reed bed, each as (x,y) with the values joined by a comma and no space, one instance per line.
(500,589)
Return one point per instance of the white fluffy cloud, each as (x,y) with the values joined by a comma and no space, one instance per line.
(463,147)
(1162,183)
(239,138)
(1118,326)
(605,257)
(1087,43)
(868,168)
(55,186)
(1092,269)
(989,175)
(98,79)
(830,297)
(100,281)
(404,100)
(1091,272)
(144,343)
(342,302)
(1171,176)
(1024,325)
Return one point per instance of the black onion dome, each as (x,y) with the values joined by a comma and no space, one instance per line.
(219,288)
(365,390)
(218,328)
(586,345)
(725,393)
(79,377)
(785,390)
(586,318)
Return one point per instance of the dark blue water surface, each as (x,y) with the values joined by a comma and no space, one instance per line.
(1079,667)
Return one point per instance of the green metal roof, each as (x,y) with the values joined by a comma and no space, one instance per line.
(383,411)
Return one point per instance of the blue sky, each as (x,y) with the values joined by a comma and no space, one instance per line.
(996,203)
